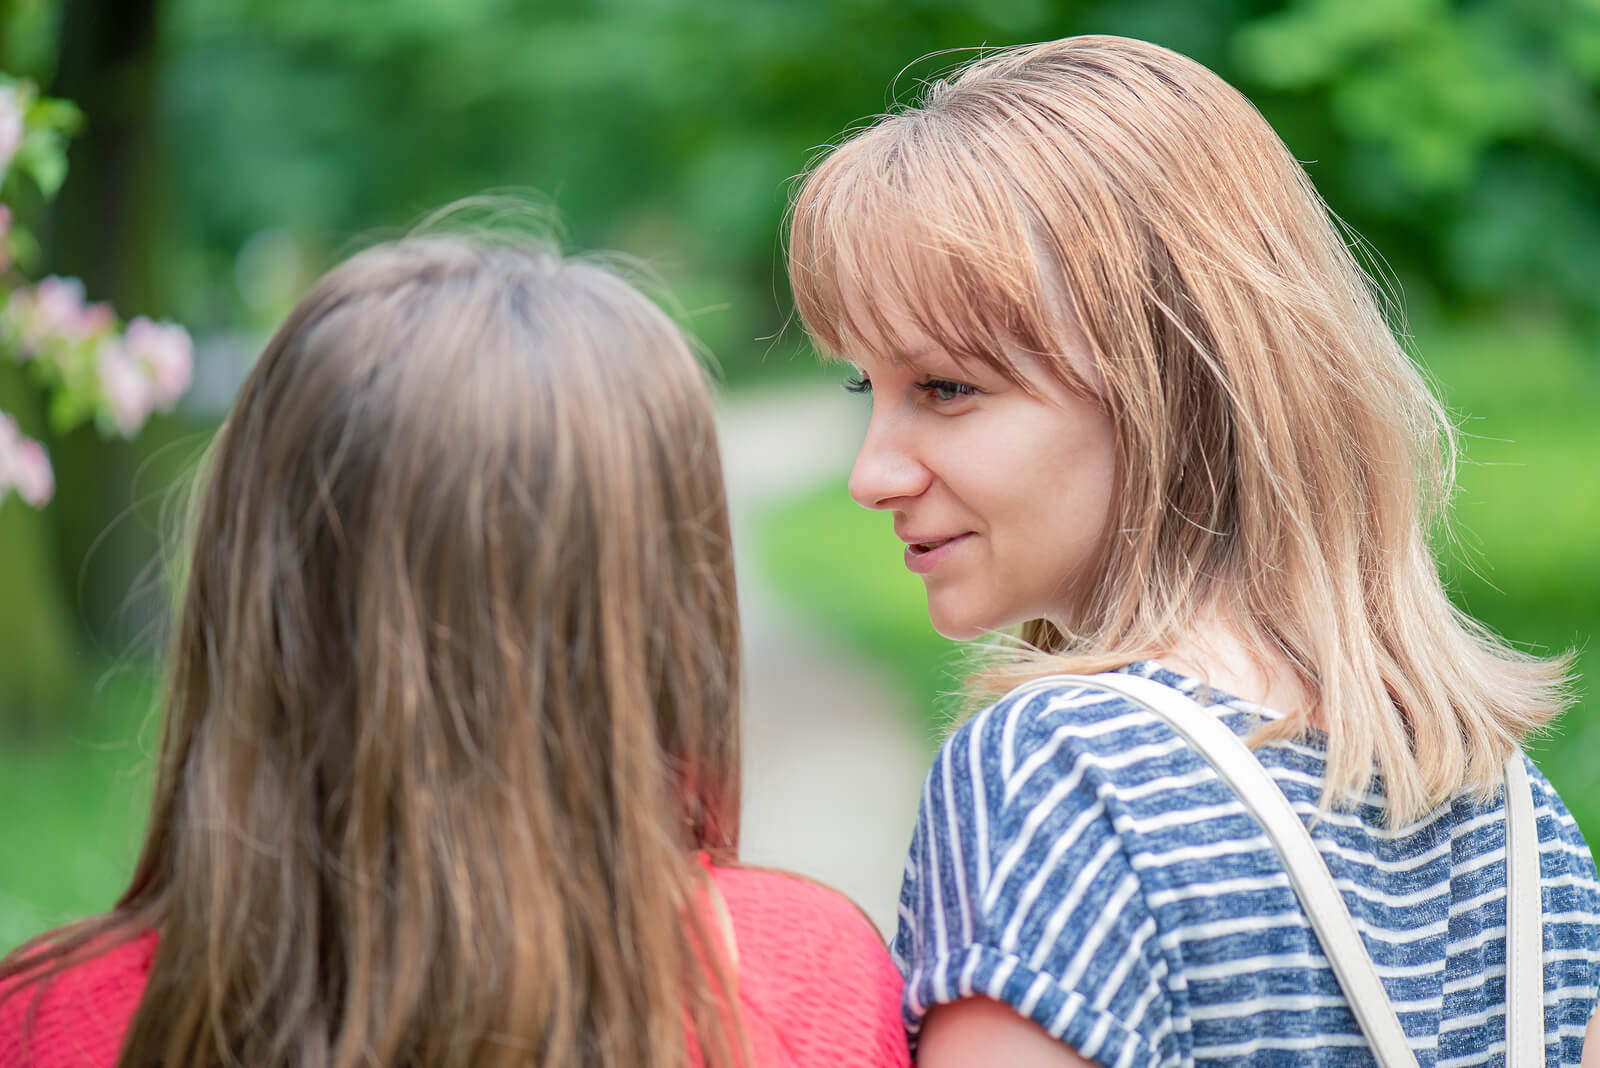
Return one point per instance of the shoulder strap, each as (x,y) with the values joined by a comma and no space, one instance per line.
(1524,922)
(1323,905)
(1319,896)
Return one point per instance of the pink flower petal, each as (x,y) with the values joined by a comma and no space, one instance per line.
(166,354)
(124,387)
(30,471)
(11,126)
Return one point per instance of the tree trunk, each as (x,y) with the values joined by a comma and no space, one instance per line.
(105,227)
(37,680)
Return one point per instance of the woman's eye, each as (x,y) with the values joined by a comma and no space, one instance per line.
(945,391)
(858,384)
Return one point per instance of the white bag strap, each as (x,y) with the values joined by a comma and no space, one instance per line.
(1524,922)
(1319,896)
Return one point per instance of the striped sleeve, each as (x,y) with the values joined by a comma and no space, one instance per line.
(1570,903)
(1017,887)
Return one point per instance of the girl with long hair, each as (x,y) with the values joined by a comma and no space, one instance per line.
(450,770)
(1131,393)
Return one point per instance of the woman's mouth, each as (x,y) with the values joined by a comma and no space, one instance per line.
(923,556)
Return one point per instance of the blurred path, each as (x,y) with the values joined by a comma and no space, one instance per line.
(833,762)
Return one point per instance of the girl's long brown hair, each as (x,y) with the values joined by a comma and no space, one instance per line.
(1281,460)
(452,692)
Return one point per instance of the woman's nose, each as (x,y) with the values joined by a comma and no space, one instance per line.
(887,468)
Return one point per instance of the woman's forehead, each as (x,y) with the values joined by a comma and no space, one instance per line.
(881,323)
(901,324)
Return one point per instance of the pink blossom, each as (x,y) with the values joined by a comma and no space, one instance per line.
(166,354)
(54,310)
(30,471)
(59,309)
(11,126)
(24,465)
(124,386)
(19,321)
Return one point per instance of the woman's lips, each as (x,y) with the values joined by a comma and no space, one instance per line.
(923,556)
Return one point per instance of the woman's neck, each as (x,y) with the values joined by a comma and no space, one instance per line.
(1216,651)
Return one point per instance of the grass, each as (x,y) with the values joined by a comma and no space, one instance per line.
(75,804)
(1526,559)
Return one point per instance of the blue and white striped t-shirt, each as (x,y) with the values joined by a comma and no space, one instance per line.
(1077,861)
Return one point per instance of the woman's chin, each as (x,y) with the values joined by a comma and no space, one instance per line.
(958,627)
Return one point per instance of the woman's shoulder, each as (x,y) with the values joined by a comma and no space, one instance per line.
(77,1015)
(814,968)
(1566,850)
(1021,881)
(1058,727)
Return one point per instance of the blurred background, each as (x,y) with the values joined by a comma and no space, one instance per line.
(230,150)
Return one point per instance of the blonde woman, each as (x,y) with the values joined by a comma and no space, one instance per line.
(450,773)
(1131,394)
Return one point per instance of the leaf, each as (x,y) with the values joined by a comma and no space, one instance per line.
(22,247)
(61,116)
(69,409)
(43,158)
(46,373)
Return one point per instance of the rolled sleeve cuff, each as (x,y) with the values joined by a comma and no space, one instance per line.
(1067,1015)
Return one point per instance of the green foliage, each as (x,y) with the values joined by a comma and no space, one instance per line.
(667,129)
(1465,137)
(1525,560)
(43,153)
(28,30)
(82,367)
(1528,561)
(39,166)
(1462,138)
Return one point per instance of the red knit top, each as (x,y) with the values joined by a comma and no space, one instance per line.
(816,987)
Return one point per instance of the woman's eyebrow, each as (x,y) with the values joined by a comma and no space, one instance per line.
(942,364)
(922,356)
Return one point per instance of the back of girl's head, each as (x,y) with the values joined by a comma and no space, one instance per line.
(1120,213)
(453,682)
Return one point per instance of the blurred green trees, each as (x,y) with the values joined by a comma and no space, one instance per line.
(236,147)
(1462,139)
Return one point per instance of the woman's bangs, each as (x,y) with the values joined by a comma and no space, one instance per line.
(875,272)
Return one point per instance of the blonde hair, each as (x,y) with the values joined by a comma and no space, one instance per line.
(1279,456)
(453,689)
